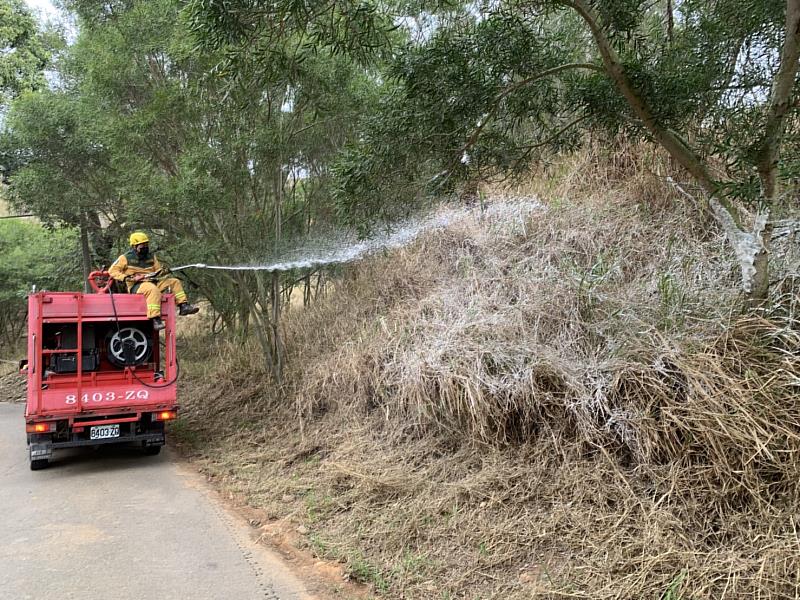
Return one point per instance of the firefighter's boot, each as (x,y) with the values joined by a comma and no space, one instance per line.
(158,324)
(187,309)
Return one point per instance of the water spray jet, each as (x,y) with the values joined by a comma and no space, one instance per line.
(343,250)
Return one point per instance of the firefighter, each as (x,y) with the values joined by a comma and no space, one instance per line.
(135,266)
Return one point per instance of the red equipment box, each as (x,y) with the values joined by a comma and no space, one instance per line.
(97,371)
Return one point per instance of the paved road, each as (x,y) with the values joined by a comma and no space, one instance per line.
(115,524)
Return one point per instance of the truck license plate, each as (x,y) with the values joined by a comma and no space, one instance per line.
(102,432)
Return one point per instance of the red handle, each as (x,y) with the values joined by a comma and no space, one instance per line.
(96,278)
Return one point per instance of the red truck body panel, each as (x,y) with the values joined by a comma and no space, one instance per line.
(103,389)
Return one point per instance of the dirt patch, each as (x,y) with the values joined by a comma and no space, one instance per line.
(323,579)
(12,386)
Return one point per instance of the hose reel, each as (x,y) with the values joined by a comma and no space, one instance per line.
(129,347)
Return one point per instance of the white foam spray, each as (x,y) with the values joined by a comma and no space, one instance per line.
(344,248)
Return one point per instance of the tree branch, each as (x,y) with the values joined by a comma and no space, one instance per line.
(780,99)
(555,136)
(668,139)
(472,140)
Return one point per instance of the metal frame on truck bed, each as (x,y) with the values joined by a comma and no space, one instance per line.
(97,371)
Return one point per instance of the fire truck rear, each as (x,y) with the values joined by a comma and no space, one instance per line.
(97,371)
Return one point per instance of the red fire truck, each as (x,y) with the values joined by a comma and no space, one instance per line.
(97,371)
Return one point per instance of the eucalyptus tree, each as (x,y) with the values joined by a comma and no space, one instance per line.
(30,255)
(59,171)
(259,162)
(711,83)
(147,130)
(24,55)
(486,86)
(49,149)
(23,51)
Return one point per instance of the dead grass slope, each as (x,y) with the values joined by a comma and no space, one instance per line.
(559,401)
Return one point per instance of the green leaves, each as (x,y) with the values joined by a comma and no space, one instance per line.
(359,29)
(472,106)
(23,52)
(239,122)
(31,255)
(480,96)
(221,149)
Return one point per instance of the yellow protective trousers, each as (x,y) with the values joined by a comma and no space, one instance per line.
(152,294)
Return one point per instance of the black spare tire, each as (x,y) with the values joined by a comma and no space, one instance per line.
(128,346)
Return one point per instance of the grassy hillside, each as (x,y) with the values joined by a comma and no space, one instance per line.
(556,397)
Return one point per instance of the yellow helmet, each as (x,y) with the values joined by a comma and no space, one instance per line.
(139,237)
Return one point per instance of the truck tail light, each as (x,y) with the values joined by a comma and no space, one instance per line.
(165,415)
(39,427)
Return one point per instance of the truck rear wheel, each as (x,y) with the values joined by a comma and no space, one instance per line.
(39,464)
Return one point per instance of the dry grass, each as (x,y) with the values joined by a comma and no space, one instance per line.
(554,402)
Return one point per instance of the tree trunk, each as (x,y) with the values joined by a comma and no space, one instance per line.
(751,248)
(245,304)
(767,160)
(320,288)
(276,333)
(99,238)
(86,254)
(276,282)
(670,20)
(760,288)
(261,325)
(307,290)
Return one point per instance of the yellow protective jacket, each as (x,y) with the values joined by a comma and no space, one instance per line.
(128,265)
